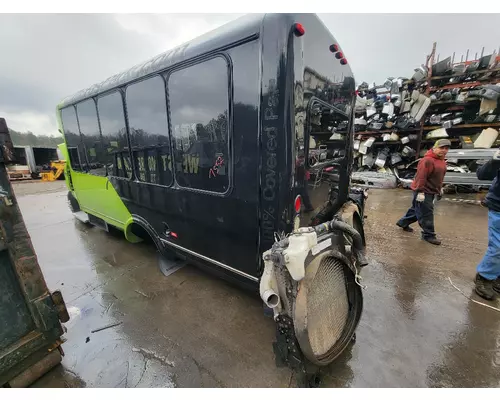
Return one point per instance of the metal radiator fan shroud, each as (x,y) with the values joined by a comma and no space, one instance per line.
(327,308)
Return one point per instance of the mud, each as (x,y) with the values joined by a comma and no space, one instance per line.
(193,330)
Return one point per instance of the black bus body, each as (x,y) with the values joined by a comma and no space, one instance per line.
(256,141)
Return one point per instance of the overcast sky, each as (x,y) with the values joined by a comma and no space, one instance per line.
(44,58)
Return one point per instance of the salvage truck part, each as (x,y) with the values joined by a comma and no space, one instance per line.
(248,173)
(455,175)
(30,315)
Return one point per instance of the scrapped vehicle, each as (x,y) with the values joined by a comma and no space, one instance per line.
(209,150)
(462,165)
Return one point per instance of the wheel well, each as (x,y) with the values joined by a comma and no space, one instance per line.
(140,232)
(137,232)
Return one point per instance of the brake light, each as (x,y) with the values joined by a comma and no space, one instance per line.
(343,61)
(339,55)
(299,29)
(173,234)
(298,203)
(334,48)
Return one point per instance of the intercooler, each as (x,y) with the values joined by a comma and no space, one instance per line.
(327,309)
(310,283)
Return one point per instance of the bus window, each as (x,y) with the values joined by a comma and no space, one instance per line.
(91,137)
(114,135)
(325,144)
(148,128)
(198,99)
(73,139)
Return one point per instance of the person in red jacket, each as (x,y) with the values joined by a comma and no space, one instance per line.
(427,186)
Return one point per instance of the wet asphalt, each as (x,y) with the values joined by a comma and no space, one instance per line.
(193,330)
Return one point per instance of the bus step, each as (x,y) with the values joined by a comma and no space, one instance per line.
(100,223)
(169,265)
(82,216)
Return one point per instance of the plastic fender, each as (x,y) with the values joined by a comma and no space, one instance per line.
(128,232)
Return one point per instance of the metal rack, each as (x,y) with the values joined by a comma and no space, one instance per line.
(482,77)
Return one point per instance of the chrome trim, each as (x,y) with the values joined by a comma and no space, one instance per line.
(253,278)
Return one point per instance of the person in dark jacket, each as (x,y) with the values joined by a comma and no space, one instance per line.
(427,186)
(488,270)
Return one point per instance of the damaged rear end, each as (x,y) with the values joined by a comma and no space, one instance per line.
(310,277)
(312,284)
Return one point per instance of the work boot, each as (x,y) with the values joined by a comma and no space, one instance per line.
(433,240)
(496,285)
(484,288)
(405,228)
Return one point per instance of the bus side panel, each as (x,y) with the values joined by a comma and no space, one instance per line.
(95,194)
(222,227)
(274,138)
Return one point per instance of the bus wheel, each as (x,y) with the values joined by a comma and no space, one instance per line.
(73,203)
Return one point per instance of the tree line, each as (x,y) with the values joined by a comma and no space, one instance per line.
(30,139)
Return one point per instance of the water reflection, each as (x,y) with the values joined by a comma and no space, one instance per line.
(408,282)
(472,357)
(339,373)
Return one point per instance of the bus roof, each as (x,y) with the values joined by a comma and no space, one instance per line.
(234,31)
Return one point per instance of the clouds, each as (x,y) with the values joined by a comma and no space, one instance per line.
(46,57)
(382,45)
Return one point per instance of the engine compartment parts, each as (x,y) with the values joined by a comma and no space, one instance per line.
(486,138)
(311,283)
(378,180)
(461,169)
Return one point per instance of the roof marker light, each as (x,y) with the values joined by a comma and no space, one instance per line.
(299,29)
(343,61)
(339,55)
(334,48)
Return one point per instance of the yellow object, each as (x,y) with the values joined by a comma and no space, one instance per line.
(56,171)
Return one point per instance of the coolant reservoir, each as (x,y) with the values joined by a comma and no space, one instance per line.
(295,255)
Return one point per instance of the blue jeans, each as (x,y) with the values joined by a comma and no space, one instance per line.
(489,267)
(423,212)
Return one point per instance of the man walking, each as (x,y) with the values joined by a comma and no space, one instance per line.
(488,270)
(426,186)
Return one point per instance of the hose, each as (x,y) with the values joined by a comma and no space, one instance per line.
(357,240)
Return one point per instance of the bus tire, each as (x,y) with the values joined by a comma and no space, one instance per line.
(73,203)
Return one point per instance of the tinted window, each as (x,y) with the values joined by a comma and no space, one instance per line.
(198,98)
(91,137)
(148,128)
(114,135)
(73,139)
(245,60)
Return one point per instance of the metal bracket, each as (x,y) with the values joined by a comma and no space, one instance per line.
(287,353)
(58,300)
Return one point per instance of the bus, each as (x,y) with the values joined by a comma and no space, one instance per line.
(234,151)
